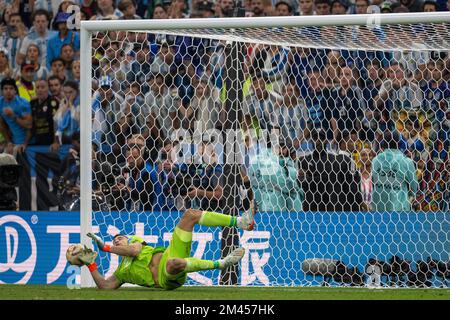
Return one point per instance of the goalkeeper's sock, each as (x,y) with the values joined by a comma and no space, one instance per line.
(194,264)
(214,219)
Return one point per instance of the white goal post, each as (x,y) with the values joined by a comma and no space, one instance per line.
(232,29)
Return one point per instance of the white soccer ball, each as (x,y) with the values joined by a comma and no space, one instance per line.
(72,254)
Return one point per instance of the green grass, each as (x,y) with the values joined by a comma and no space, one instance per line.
(32,292)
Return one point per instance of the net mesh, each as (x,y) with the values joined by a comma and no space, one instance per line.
(340,133)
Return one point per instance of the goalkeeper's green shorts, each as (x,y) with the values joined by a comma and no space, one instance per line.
(177,249)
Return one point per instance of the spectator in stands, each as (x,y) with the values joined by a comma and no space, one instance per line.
(67,117)
(55,87)
(366,157)
(209,192)
(225,8)
(316,102)
(348,146)
(15,36)
(306,8)
(332,68)
(258,9)
(393,176)
(322,7)
(204,108)
(327,180)
(291,116)
(429,6)
(33,57)
(284,8)
(68,56)
(138,184)
(106,9)
(339,6)
(15,123)
(43,138)
(437,91)
(397,92)
(76,71)
(108,107)
(259,107)
(413,5)
(58,69)
(163,60)
(25,84)
(128,9)
(361,6)
(39,35)
(5,69)
(51,7)
(346,107)
(64,36)
(160,12)
(160,102)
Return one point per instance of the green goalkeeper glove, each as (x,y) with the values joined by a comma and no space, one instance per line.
(87,256)
(100,243)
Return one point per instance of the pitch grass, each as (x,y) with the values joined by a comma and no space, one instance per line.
(54,292)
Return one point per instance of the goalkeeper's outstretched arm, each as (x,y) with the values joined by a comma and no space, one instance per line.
(119,247)
(88,257)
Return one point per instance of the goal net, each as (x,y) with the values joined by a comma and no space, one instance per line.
(337,128)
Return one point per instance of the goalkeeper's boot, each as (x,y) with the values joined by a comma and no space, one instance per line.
(233,258)
(247,221)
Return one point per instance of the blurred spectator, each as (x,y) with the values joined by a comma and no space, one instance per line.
(322,7)
(386,7)
(55,87)
(42,137)
(306,8)
(58,69)
(138,184)
(163,60)
(292,116)
(106,8)
(361,6)
(366,158)
(5,69)
(348,146)
(15,123)
(108,107)
(258,8)
(67,117)
(67,56)
(208,191)
(437,91)
(160,12)
(76,71)
(25,84)
(16,33)
(68,178)
(38,35)
(203,111)
(393,176)
(51,6)
(413,5)
(33,58)
(339,6)
(128,9)
(64,36)
(332,68)
(161,106)
(225,8)
(284,8)
(429,6)
(327,179)
(346,107)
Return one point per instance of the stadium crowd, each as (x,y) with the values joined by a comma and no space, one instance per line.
(146,87)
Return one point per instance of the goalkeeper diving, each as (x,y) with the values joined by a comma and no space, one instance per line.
(159,267)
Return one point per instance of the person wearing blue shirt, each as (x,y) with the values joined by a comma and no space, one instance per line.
(64,36)
(15,113)
(15,123)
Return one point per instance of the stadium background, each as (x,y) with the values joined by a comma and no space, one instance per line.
(29,200)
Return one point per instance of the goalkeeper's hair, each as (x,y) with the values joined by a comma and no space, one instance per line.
(123,235)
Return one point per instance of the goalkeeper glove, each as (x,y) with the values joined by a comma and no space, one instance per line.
(100,243)
(87,257)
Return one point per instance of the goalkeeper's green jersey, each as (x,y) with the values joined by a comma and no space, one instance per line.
(136,270)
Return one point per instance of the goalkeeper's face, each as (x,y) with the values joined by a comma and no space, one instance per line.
(120,241)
